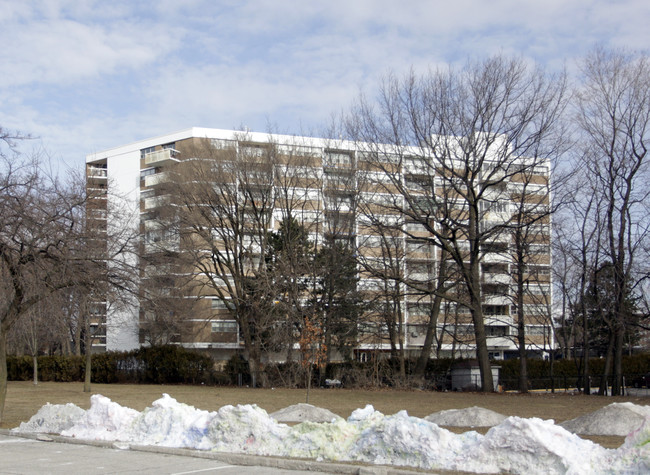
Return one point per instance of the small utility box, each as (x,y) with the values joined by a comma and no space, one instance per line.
(466,376)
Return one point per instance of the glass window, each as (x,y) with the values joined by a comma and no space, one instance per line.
(224,326)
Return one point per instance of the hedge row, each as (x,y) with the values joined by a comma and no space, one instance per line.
(385,373)
(152,365)
(566,373)
(175,365)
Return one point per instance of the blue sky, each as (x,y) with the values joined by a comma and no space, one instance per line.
(83,75)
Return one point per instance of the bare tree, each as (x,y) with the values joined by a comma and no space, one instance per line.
(613,112)
(41,231)
(293,242)
(222,213)
(530,237)
(471,131)
(165,310)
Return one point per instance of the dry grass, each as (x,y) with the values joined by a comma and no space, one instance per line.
(24,399)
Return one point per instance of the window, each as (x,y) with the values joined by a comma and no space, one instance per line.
(418,183)
(224,326)
(150,193)
(537,330)
(494,267)
(494,247)
(539,249)
(339,202)
(419,270)
(424,248)
(495,310)
(495,206)
(464,330)
(538,269)
(539,289)
(222,143)
(490,288)
(334,159)
(370,242)
(147,172)
(419,308)
(218,304)
(415,227)
(496,330)
(147,150)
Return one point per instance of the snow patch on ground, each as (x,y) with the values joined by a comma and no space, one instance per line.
(468,417)
(516,445)
(304,413)
(619,418)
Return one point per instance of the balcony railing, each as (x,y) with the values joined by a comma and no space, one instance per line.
(156,179)
(161,157)
(97,172)
(155,202)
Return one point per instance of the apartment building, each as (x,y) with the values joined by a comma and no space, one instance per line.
(388,206)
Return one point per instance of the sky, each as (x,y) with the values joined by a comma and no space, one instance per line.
(82,76)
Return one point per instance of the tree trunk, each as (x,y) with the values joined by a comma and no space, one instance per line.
(432,324)
(35,368)
(77,341)
(3,371)
(523,359)
(400,340)
(487,383)
(482,355)
(552,372)
(88,352)
(586,383)
(429,339)
(254,367)
(521,328)
(604,378)
(617,383)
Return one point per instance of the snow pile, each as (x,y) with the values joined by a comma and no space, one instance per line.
(468,417)
(535,446)
(403,440)
(53,418)
(516,445)
(303,413)
(104,420)
(619,418)
(167,423)
(245,428)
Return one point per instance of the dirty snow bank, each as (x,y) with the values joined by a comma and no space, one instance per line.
(516,445)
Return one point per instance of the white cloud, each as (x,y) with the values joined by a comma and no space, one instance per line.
(86,75)
(46,47)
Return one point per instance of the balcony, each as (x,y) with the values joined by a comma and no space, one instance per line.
(155,247)
(156,179)
(96,175)
(155,202)
(161,157)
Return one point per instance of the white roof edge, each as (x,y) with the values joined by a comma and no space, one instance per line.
(204,132)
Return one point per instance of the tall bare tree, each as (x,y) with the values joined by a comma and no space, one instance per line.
(43,242)
(470,131)
(220,224)
(613,112)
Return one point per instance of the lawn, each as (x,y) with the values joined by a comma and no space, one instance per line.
(24,399)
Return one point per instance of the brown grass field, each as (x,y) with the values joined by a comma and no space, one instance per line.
(24,399)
